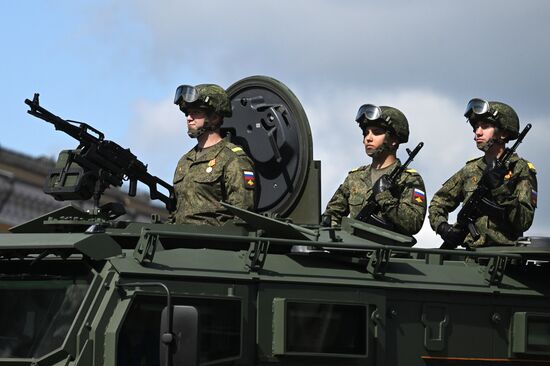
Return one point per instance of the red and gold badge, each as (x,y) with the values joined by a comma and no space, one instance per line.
(249,179)
(419,196)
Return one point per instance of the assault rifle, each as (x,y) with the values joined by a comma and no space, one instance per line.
(95,164)
(367,213)
(479,198)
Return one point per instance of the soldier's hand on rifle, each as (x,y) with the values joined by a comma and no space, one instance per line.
(383,184)
(326,220)
(449,233)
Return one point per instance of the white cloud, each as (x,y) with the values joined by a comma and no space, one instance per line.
(445,45)
(158,136)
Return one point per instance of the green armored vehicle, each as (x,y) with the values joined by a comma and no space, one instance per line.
(271,288)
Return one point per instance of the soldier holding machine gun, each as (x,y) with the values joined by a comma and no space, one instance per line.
(499,189)
(370,193)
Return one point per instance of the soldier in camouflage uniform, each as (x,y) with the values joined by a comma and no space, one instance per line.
(513,189)
(402,207)
(215,169)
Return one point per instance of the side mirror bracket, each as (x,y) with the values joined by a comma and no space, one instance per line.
(179,336)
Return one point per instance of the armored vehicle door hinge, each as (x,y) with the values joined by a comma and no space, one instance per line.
(378,262)
(146,247)
(495,270)
(376,319)
(435,318)
(257,253)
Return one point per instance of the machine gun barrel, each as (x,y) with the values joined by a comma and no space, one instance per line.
(371,206)
(101,162)
(79,132)
(468,214)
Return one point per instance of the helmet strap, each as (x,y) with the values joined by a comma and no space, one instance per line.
(498,138)
(196,133)
(209,124)
(207,127)
(487,145)
(502,136)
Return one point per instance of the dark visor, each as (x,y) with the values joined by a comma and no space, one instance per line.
(188,93)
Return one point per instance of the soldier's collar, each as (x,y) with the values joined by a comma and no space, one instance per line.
(389,168)
(482,163)
(207,154)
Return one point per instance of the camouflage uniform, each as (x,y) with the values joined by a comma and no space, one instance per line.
(518,195)
(222,172)
(405,212)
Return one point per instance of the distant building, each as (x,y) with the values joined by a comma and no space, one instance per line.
(22,197)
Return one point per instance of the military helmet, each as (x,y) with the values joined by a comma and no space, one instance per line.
(500,114)
(388,117)
(208,96)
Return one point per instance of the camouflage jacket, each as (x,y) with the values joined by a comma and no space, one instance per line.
(518,195)
(222,172)
(406,211)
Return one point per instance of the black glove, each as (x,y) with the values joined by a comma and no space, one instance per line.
(450,234)
(382,184)
(326,220)
(493,176)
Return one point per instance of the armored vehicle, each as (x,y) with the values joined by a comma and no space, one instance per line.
(273,287)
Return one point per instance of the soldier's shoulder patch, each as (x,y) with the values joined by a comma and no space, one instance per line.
(418,196)
(249,179)
(236,149)
(531,167)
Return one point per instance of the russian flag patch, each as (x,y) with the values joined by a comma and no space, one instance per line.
(419,196)
(249,179)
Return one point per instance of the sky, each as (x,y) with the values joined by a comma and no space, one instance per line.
(116,64)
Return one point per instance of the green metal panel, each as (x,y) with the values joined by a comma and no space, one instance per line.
(95,246)
(279,329)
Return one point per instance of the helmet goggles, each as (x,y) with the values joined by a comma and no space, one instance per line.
(478,108)
(369,112)
(186,93)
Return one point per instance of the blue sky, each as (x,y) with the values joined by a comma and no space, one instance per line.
(55,48)
(116,64)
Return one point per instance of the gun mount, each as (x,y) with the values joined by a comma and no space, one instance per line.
(95,165)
